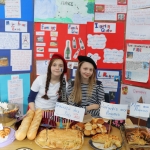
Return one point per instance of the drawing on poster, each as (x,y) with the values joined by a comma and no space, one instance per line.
(4,61)
(128,75)
(121,16)
(95,57)
(69,11)
(39,49)
(130,55)
(145,65)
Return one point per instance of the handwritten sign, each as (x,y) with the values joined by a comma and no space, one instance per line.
(96,41)
(113,111)
(69,112)
(138,22)
(140,110)
(9,40)
(136,4)
(104,27)
(113,56)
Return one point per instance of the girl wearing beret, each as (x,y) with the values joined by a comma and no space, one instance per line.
(46,89)
(85,91)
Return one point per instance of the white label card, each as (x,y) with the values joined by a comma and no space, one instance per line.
(113,111)
(139,110)
(69,112)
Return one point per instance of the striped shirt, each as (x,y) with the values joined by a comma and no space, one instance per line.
(96,98)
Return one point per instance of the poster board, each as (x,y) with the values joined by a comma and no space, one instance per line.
(15,88)
(105,39)
(16,36)
(53,38)
(130,82)
(69,11)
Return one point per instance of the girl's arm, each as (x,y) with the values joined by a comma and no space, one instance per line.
(31,99)
(100,97)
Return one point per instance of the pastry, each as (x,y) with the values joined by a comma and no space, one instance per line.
(60,139)
(79,126)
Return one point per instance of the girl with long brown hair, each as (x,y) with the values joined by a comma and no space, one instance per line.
(46,89)
(85,91)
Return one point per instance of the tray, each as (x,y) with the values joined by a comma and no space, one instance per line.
(129,146)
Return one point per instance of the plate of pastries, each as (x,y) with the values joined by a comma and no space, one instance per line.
(137,136)
(95,126)
(7,136)
(105,142)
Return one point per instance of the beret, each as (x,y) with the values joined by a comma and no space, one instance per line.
(58,56)
(87,59)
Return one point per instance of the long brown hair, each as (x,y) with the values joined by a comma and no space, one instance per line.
(76,94)
(48,79)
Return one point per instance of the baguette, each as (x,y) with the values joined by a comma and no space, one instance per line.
(21,133)
(31,134)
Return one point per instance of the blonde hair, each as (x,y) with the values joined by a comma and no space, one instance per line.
(76,94)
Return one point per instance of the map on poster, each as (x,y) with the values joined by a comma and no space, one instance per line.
(68,11)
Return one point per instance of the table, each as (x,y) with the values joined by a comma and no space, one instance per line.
(31,144)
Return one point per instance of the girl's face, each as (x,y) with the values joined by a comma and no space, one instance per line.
(86,70)
(57,67)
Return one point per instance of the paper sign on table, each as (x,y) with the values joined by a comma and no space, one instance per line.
(113,111)
(69,112)
(139,110)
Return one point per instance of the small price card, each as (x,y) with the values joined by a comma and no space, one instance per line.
(113,111)
(69,112)
(140,110)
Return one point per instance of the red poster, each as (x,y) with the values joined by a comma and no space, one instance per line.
(68,40)
(105,44)
(130,82)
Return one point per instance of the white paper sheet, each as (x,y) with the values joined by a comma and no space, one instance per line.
(136,4)
(15,26)
(137,62)
(9,40)
(113,56)
(138,24)
(41,67)
(21,60)
(113,111)
(25,40)
(12,9)
(15,91)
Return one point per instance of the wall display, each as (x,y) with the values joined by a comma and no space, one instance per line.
(137,54)
(15,46)
(68,11)
(16,36)
(111,80)
(137,62)
(138,22)
(110,10)
(105,44)
(15,89)
(17,9)
(137,4)
(50,38)
(133,94)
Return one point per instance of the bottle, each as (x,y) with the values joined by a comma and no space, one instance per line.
(67,51)
(64,90)
(76,53)
(74,45)
(81,44)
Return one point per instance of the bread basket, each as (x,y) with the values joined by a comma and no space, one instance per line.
(10,114)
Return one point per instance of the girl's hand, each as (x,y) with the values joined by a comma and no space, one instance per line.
(91,107)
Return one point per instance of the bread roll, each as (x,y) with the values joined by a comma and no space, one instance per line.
(21,133)
(87,132)
(79,126)
(31,134)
